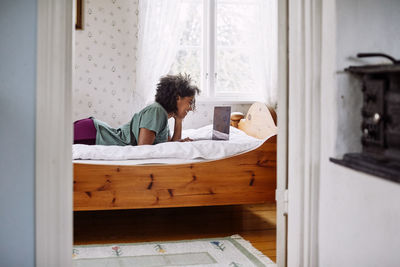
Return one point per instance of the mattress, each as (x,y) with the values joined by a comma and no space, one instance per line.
(169,152)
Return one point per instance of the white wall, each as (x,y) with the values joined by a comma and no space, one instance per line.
(362,26)
(105,66)
(359,214)
(203,115)
(17,132)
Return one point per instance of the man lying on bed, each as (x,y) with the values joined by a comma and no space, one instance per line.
(175,97)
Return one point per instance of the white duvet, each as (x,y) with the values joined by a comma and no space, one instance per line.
(239,142)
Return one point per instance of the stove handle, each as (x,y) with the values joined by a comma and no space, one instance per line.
(379,55)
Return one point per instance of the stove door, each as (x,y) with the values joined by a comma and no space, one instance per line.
(373,138)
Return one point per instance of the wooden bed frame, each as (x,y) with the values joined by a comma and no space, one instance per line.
(248,178)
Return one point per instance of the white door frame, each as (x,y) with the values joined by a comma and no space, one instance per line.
(312,46)
(53,175)
(282,142)
(54,130)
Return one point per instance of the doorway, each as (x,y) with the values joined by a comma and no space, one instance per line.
(68,120)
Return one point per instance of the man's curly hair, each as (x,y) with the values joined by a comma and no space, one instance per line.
(172,86)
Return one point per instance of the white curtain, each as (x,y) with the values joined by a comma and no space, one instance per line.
(263,49)
(158,39)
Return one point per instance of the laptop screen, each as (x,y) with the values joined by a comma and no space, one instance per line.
(221,123)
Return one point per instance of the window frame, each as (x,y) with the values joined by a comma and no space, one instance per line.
(208,65)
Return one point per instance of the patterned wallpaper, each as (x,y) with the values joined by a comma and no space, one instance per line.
(105,53)
(105,66)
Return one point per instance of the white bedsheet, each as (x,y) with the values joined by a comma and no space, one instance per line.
(169,152)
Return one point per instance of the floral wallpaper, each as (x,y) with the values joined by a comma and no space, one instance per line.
(105,66)
(105,53)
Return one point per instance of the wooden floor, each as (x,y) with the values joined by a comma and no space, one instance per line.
(255,223)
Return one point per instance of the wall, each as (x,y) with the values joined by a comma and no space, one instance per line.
(105,66)
(17,131)
(105,61)
(203,115)
(363,26)
(359,214)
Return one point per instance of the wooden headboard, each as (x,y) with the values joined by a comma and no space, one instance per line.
(259,121)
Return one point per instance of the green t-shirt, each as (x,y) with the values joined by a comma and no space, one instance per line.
(153,117)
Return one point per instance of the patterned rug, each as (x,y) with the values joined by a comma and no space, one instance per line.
(231,251)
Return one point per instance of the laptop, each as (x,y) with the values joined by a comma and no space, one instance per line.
(221,124)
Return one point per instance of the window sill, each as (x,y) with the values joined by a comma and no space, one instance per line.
(223,100)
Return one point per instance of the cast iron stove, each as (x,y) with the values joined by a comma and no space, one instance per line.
(380,125)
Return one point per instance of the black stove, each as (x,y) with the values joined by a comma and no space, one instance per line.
(380,125)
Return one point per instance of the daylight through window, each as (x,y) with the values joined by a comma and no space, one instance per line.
(229,47)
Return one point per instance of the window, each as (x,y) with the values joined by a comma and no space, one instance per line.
(223,47)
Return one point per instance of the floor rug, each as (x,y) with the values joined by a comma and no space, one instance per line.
(231,251)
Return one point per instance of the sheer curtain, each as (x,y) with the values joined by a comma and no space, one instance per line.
(158,39)
(263,49)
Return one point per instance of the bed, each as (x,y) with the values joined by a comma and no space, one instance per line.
(246,178)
